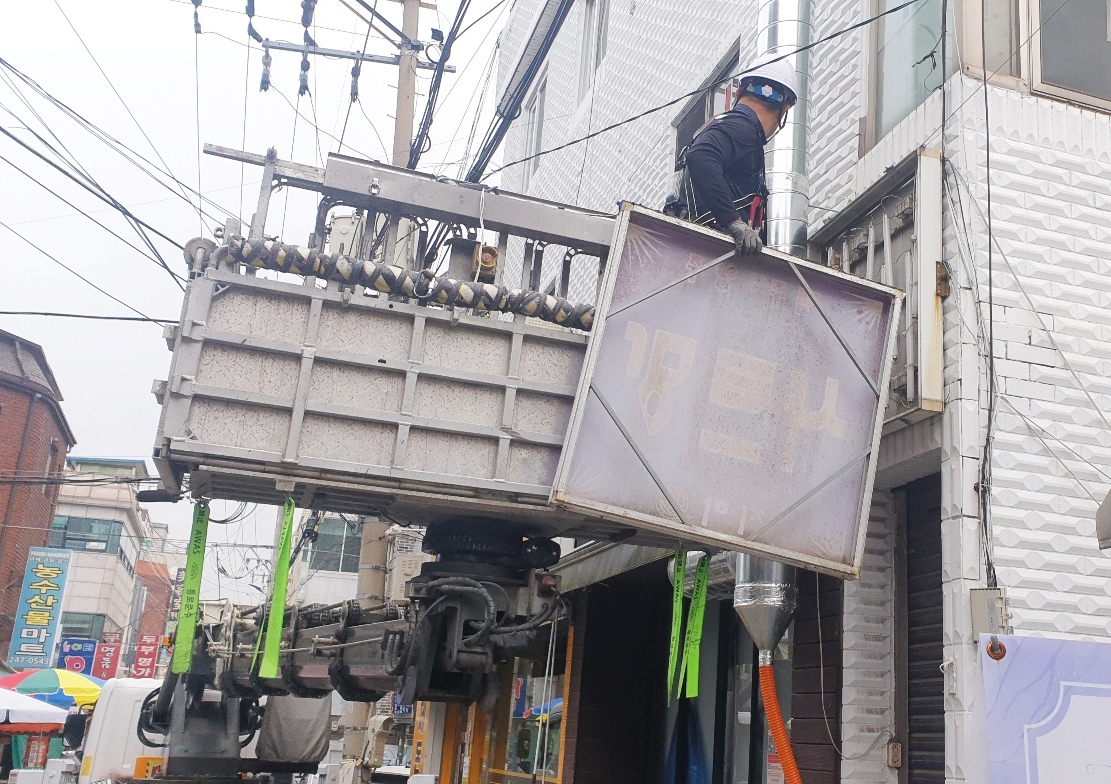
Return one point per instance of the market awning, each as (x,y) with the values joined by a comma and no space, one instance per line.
(19,709)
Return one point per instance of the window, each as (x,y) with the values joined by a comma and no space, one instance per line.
(1001,34)
(908,64)
(51,454)
(534,130)
(336,548)
(86,625)
(97,536)
(526,744)
(595,29)
(1072,49)
(702,107)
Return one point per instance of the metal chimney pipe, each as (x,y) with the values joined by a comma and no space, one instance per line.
(764,598)
(784,26)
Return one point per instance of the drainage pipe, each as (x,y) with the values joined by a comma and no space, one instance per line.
(764,598)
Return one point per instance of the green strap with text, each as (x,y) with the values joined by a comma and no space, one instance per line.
(692,645)
(676,619)
(271,645)
(190,592)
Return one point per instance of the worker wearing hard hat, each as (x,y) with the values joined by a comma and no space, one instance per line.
(723,183)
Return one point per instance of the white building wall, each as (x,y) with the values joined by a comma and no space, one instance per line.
(868,650)
(99,583)
(1051,165)
(646,64)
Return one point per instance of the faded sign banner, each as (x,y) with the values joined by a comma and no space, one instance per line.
(731,402)
(1048,705)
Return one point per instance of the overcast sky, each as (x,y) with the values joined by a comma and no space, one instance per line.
(150,54)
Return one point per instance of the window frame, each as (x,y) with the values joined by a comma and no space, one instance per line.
(349,549)
(534,129)
(1030,16)
(593,44)
(959,34)
(727,65)
(94,632)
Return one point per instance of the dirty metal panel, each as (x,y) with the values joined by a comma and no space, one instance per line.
(279,388)
(732,404)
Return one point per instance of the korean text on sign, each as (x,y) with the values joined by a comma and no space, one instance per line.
(37,619)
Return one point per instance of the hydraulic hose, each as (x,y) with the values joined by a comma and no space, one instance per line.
(777,727)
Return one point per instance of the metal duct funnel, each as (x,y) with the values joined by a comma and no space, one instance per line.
(764,598)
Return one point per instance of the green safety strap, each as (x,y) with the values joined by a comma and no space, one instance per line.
(271,645)
(692,646)
(676,619)
(190,592)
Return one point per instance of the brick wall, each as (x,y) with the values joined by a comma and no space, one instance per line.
(32,509)
(156,579)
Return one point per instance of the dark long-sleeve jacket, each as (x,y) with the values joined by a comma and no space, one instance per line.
(725,164)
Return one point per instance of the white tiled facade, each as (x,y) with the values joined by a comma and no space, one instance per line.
(1051,216)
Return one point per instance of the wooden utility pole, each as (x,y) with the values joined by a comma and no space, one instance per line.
(406,84)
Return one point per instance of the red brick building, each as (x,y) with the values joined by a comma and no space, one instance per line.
(34,440)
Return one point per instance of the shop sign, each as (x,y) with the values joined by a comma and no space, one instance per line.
(77,654)
(146,655)
(400,709)
(1048,707)
(35,634)
(107,659)
(734,403)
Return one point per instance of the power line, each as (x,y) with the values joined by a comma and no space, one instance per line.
(114,144)
(496,6)
(85,316)
(708,88)
(123,103)
(99,194)
(77,274)
(985,463)
(420,138)
(113,209)
(80,211)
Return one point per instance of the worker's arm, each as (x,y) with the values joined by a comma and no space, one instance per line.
(720,147)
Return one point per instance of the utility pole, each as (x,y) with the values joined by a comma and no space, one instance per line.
(406,84)
(371,587)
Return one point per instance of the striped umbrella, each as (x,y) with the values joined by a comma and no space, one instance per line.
(62,688)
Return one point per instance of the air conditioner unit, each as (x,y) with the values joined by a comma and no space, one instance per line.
(399,571)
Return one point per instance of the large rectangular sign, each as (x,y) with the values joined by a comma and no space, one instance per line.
(730,402)
(1048,706)
(108,651)
(35,634)
(146,656)
(76,654)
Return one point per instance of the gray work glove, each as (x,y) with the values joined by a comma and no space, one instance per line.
(746,237)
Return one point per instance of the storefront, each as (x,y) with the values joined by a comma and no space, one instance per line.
(588,702)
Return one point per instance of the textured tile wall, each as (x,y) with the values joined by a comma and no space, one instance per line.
(1051,165)
(868,696)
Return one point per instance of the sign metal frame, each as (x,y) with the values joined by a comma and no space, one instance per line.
(685,535)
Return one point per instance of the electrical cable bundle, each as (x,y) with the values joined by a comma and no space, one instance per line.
(397,281)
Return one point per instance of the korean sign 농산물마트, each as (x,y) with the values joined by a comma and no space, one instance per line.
(35,634)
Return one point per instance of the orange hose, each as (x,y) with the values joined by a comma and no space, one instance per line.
(777,727)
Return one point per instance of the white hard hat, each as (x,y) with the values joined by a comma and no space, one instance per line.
(780,72)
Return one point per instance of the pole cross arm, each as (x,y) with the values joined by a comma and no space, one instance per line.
(388,189)
(381,59)
(296,175)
